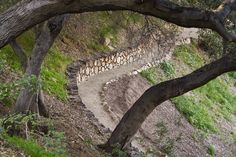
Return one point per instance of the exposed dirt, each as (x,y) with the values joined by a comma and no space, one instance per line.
(165,129)
(82,130)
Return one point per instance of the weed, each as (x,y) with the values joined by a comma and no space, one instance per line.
(211,150)
(167,148)
(117,151)
(150,74)
(161,129)
(55,142)
(149,152)
(168,69)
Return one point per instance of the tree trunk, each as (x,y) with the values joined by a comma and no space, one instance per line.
(30,100)
(28,13)
(154,96)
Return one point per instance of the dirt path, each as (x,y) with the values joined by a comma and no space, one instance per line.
(89,90)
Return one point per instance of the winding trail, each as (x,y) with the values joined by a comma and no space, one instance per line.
(89,90)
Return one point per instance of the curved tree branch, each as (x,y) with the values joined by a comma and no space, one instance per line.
(154,96)
(28,13)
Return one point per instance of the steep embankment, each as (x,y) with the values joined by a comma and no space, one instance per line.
(75,131)
(90,90)
(199,123)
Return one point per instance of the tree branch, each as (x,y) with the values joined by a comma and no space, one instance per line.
(28,13)
(154,96)
(20,53)
(46,33)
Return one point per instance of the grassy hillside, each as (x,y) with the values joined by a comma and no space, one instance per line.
(204,107)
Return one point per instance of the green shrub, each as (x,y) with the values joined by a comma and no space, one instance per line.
(39,130)
(10,91)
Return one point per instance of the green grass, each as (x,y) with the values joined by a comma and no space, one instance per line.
(209,103)
(29,147)
(196,113)
(150,74)
(189,55)
(168,69)
(205,105)
(234,137)
(7,54)
(219,97)
(53,70)
(53,74)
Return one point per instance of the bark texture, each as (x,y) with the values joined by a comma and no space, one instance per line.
(154,96)
(46,33)
(28,13)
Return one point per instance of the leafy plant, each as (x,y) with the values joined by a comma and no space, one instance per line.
(9,91)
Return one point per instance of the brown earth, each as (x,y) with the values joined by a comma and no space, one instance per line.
(165,129)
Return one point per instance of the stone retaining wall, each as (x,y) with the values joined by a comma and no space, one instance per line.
(155,47)
(117,58)
(154,63)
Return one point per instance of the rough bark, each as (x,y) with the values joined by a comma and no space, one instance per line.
(28,13)
(45,36)
(154,96)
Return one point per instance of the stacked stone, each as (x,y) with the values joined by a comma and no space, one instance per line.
(105,63)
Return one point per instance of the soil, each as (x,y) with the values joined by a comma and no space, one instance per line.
(82,130)
(165,129)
